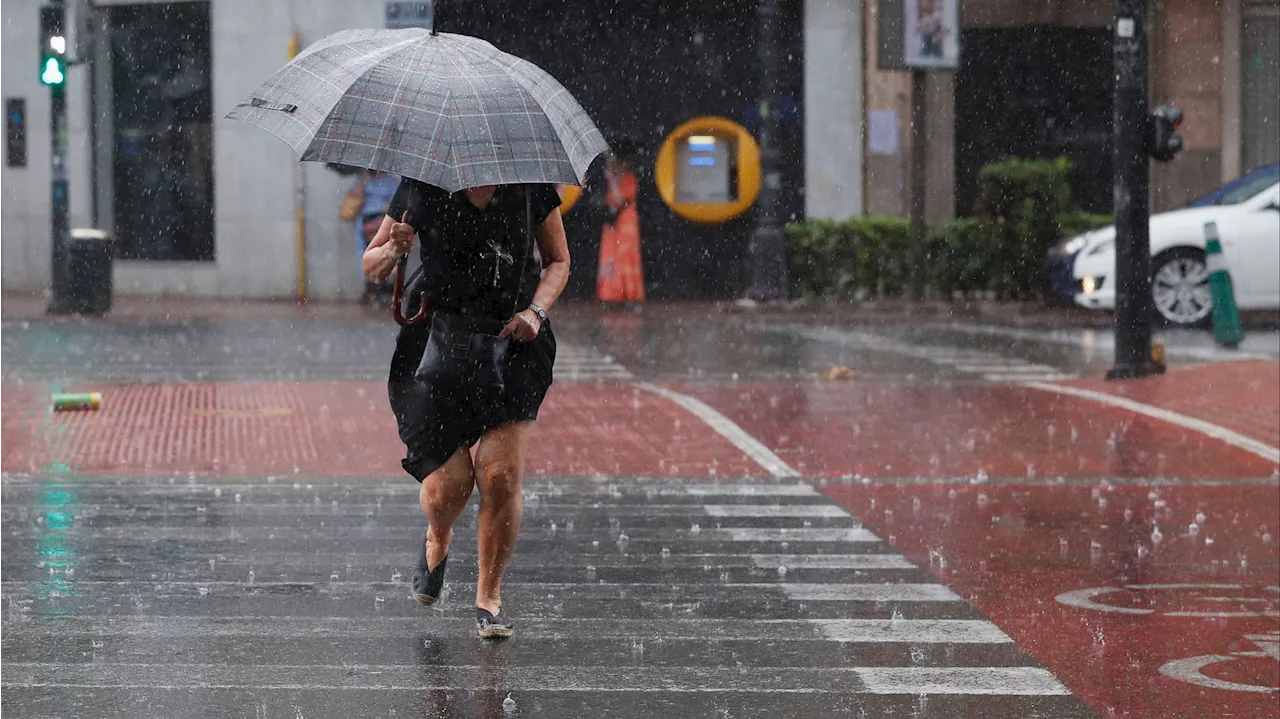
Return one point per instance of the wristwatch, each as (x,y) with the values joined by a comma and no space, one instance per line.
(541,313)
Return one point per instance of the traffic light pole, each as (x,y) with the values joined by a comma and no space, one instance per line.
(59,206)
(1132,170)
(767,248)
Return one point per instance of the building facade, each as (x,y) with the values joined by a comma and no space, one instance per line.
(1036,79)
(203,206)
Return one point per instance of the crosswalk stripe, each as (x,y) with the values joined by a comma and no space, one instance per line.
(831,561)
(1015,681)
(774,510)
(806,534)
(1006,681)
(869,592)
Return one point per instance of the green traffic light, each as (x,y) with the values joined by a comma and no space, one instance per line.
(54,73)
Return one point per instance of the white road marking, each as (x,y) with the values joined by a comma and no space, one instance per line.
(1008,681)
(880,592)
(726,428)
(1235,439)
(929,631)
(831,561)
(1189,670)
(1016,378)
(825,511)
(746,490)
(770,534)
(1011,681)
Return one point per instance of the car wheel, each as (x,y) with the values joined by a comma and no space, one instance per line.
(1180,288)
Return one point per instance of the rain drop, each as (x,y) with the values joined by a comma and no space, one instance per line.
(623,541)
(508,705)
(695,529)
(782,572)
(204,591)
(1200,518)
(1156,536)
(666,552)
(1193,529)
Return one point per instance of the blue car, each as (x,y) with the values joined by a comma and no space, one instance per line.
(1060,287)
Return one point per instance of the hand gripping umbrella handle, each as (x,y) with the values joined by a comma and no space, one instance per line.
(399,292)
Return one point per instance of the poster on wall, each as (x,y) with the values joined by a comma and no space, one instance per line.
(409,13)
(932,33)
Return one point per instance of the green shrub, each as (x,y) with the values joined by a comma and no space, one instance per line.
(848,259)
(1024,208)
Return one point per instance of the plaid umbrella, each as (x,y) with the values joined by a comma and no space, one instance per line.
(450,110)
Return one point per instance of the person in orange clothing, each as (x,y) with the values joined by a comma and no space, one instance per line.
(621,278)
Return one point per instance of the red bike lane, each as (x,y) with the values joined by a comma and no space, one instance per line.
(1134,558)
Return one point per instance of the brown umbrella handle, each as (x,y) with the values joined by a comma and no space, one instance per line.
(398,293)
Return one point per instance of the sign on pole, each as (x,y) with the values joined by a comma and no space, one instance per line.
(409,13)
(919,34)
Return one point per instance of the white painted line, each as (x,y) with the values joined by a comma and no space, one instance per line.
(726,428)
(927,631)
(869,593)
(825,511)
(831,561)
(1012,681)
(745,490)
(769,534)
(1023,378)
(1235,439)
(1003,681)
(1008,367)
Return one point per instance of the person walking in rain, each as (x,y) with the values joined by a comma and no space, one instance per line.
(621,277)
(478,266)
(374,191)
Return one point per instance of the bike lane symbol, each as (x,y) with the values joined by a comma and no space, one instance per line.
(1191,669)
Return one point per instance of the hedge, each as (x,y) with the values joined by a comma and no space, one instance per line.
(1023,209)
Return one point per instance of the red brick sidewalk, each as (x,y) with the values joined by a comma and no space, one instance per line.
(339,429)
(1243,397)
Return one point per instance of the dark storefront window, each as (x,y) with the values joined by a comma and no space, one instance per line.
(161,102)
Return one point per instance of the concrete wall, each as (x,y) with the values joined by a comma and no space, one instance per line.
(24,192)
(833,120)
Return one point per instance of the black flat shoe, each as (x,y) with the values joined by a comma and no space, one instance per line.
(491,627)
(427,584)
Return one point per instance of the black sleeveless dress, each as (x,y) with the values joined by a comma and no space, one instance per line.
(471,261)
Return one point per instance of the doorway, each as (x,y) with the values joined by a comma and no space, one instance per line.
(157,141)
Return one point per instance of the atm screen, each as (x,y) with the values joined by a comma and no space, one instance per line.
(706,170)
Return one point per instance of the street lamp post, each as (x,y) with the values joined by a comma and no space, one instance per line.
(767,249)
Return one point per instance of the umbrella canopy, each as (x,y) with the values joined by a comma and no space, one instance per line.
(450,110)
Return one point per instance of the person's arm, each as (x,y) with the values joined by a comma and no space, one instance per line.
(392,240)
(555,275)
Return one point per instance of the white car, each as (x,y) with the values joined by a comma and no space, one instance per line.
(1250,233)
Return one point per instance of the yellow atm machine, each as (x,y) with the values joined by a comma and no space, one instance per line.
(708,170)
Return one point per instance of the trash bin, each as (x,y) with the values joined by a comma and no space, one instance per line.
(90,271)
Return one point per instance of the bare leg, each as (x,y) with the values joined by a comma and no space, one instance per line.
(499,471)
(443,496)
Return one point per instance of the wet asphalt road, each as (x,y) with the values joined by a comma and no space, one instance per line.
(257,596)
(145,598)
